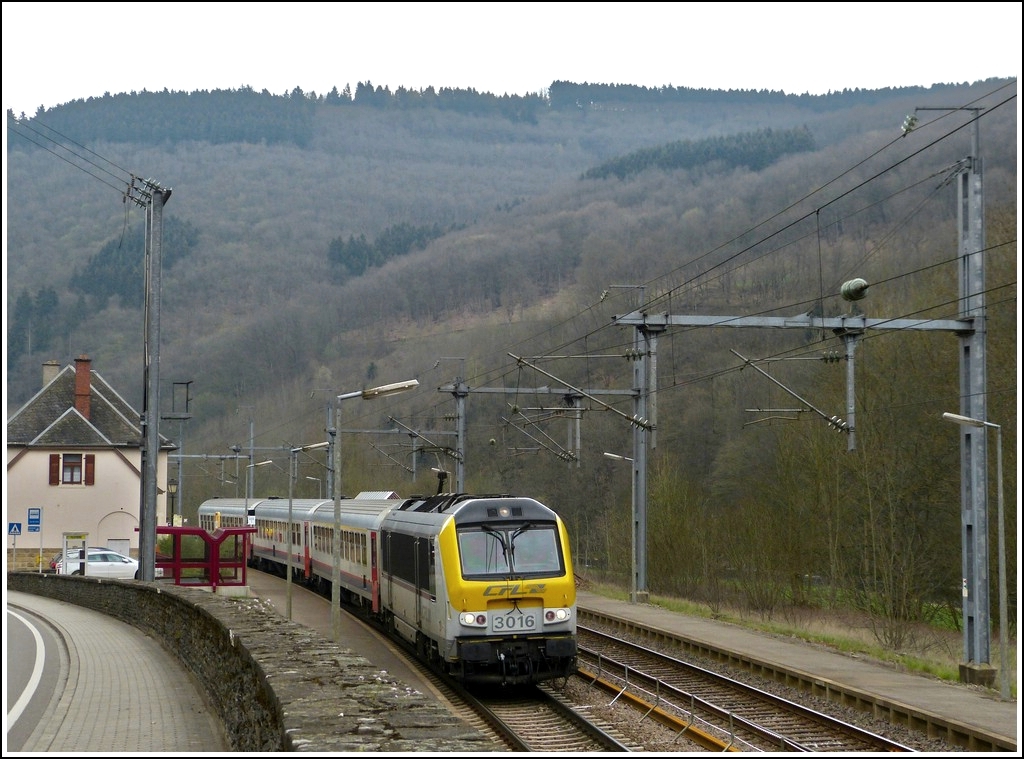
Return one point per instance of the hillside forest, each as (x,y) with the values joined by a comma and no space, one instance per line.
(319,244)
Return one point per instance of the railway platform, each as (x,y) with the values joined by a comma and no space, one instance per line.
(928,702)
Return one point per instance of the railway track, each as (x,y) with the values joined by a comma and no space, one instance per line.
(714,710)
(524,719)
(527,719)
(538,719)
(674,735)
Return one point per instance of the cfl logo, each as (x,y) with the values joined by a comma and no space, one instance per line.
(517,589)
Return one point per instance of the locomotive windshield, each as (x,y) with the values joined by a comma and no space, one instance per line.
(524,549)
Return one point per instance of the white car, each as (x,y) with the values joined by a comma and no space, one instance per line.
(102,563)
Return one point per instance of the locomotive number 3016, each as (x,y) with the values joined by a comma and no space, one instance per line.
(514,622)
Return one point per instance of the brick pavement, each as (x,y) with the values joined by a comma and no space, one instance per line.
(123,692)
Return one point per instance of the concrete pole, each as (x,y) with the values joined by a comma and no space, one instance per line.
(151,408)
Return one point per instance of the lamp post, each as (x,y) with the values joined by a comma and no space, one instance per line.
(319,489)
(172,491)
(293,455)
(633,565)
(366,395)
(1004,674)
(248,484)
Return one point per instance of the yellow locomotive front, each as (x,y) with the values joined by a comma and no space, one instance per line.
(510,592)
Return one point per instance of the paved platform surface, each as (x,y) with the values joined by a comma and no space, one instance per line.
(965,704)
(122,691)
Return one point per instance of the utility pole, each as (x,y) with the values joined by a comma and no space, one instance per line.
(252,452)
(153,197)
(976,666)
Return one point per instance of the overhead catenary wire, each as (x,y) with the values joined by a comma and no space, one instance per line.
(667,294)
(816,210)
(860,185)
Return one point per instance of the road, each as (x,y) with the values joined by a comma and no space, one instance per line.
(32,674)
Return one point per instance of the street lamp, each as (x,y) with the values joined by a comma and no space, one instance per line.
(172,491)
(248,484)
(1004,674)
(289,540)
(319,489)
(633,572)
(366,395)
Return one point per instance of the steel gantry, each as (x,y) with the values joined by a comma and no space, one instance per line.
(970,326)
(460,390)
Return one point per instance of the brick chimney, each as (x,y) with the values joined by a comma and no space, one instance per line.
(51,369)
(83,375)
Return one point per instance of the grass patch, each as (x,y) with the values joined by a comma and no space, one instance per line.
(935,654)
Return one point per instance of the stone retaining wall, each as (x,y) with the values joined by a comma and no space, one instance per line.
(276,685)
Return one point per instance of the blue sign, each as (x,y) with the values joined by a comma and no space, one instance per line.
(14,528)
(35,517)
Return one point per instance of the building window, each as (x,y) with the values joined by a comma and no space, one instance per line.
(72,469)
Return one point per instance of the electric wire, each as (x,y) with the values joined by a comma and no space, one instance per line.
(19,125)
(667,295)
(862,184)
(858,186)
(833,200)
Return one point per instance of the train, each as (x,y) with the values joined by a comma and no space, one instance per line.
(479,586)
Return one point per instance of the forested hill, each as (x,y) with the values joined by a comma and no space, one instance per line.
(115,270)
(300,223)
(245,115)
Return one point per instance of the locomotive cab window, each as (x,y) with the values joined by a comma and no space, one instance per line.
(528,549)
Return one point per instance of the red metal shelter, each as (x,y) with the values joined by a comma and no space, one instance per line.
(198,557)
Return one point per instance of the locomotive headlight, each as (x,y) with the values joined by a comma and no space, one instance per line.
(472,619)
(556,615)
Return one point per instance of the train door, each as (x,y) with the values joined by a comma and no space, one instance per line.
(307,562)
(374,573)
(419,581)
(389,582)
(423,570)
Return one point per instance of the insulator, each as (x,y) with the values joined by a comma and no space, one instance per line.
(855,289)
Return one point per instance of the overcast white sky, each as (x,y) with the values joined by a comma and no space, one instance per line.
(57,52)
